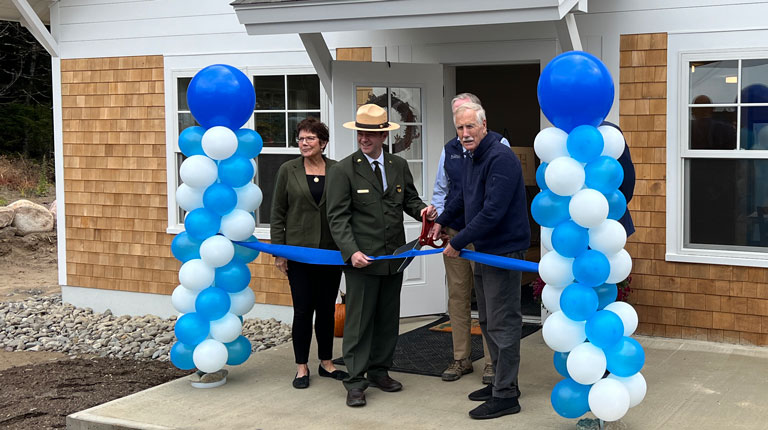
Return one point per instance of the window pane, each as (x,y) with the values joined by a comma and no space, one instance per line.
(754,130)
(186,120)
(416,170)
(406,105)
(727,203)
(271,127)
(712,128)
(303,92)
(270,92)
(267,165)
(375,95)
(181,94)
(406,142)
(713,82)
(754,78)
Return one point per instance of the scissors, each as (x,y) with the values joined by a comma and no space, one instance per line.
(422,240)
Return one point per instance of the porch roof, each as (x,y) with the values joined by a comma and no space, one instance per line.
(9,12)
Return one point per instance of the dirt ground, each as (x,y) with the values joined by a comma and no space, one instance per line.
(39,389)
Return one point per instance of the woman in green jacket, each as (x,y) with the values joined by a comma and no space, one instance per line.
(299,218)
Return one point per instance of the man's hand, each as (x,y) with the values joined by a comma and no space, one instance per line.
(360,260)
(282,265)
(450,252)
(434,233)
(431,213)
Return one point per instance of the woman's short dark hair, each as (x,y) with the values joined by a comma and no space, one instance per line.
(315,126)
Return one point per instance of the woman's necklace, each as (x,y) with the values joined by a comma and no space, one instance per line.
(316,178)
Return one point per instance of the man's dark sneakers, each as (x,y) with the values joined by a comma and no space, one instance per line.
(496,407)
(482,394)
(385,383)
(355,397)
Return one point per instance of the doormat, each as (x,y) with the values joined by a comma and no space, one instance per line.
(428,352)
(446,326)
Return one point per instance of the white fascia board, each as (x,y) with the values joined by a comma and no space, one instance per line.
(35,26)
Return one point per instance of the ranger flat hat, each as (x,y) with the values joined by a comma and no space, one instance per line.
(371,117)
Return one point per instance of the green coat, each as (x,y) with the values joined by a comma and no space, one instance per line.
(295,217)
(364,218)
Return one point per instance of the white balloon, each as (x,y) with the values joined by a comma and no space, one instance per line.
(556,270)
(621,266)
(238,225)
(249,197)
(588,208)
(564,176)
(183,299)
(217,251)
(219,142)
(613,141)
(227,328)
(253,163)
(561,333)
(242,301)
(546,238)
(608,237)
(196,275)
(189,198)
(586,364)
(609,399)
(550,144)
(198,171)
(628,316)
(210,356)
(550,297)
(635,385)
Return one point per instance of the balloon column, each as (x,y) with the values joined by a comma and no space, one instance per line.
(220,197)
(578,209)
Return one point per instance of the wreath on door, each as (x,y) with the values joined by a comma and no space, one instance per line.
(405,114)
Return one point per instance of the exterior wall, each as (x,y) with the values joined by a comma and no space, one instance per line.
(679,300)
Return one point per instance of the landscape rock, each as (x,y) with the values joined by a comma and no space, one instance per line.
(30,217)
(6,216)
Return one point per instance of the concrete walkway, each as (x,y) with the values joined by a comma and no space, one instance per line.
(691,385)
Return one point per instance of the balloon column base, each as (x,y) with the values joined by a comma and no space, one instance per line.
(597,424)
(208,380)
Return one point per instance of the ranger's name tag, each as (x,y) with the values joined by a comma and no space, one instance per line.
(363,191)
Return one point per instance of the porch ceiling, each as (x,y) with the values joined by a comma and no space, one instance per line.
(317,16)
(9,12)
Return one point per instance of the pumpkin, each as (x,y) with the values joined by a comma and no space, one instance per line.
(339,315)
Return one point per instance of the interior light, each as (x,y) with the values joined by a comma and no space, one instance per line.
(731,79)
(693,68)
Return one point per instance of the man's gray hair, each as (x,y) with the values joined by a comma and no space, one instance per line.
(466,96)
(476,108)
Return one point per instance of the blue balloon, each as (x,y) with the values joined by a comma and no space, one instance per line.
(212,303)
(540,176)
(236,171)
(243,254)
(239,350)
(585,143)
(570,399)
(604,174)
(560,359)
(191,141)
(185,248)
(181,356)
(249,143)
(191,329)
(570,239)
(625,358)
(202,223)
(578,302)
(232,277)
(617,204)
(220,199)
(606,294)
(604,329)
(574,89)
(591,268)
(548,209)
(221,95)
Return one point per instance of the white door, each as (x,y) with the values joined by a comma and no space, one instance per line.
(413,93)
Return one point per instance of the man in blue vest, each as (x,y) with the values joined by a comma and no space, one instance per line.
(458,271)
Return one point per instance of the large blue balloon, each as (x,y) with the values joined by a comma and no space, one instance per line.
(560,359)
(249,143)
(617,204)
(585,143)
(578,302)
(575,88)
(604,329)
(185,248)
(221,95)
(236,171)
(604,174)
(625,358)
(548,209)
(243,254)
(192,329)
(540,176)
(239,350)
(202,223)
(220,199)
(591,268)
(181,356)
(191,141)
(606,294)
(570,399)
(570,239)
(212,303)
(233,277)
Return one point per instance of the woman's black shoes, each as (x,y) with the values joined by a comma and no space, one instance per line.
(301,382)
(337,374)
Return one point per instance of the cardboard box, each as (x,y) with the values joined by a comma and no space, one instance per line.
(528,160)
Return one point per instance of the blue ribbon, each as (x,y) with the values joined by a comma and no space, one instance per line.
(333,258)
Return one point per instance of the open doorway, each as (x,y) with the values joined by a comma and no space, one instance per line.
(508,94)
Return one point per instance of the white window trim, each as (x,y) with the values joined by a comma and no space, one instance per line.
(677,152)
(172,132)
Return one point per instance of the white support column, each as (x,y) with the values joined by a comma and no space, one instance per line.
(30,20)
(321,58)
(568,34)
